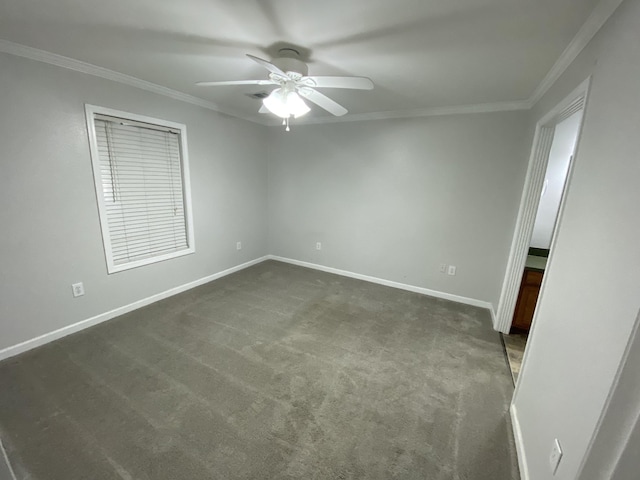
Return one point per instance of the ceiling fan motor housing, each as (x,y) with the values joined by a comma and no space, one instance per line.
(293,65)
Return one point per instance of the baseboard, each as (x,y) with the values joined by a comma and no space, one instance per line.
(494,319)
(389,283)
(517,435)
(103,317)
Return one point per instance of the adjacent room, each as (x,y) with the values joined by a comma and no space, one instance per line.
(319,240)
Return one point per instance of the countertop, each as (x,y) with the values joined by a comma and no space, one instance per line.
(536,263)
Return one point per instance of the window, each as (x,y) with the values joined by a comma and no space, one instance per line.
(141,174)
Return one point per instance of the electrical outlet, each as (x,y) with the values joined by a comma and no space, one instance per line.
(443,267)
(318,246)
(78,289)
(555,456)
(238,245)
(452,270)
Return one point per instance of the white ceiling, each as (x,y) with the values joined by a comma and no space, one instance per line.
(420,54)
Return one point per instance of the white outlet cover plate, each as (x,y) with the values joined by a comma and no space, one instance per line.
(555,457)
(318,246)
(452,270)
(78,289)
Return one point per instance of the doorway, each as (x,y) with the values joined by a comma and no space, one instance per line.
(548,176)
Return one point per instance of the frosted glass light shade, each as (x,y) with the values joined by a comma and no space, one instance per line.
(276,104)
(296,105)
(285,104)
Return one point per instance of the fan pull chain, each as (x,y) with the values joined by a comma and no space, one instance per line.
(287,129)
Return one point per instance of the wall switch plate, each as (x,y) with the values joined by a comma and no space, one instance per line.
(78,289)
(443,267)
(238,245)
(318,246)
(555,456)
(452,270)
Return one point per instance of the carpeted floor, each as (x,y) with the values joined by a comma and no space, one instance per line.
(514,345)
(275,372)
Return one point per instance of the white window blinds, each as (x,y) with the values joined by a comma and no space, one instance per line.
(140,180)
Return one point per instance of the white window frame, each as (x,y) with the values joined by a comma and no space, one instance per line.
(90,112)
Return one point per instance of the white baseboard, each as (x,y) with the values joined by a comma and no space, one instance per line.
(389,283)
(494,319)
(103,317)
(517,434)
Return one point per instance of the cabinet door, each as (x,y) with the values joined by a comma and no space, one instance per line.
(527,299)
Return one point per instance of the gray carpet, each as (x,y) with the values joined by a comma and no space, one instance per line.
(275,372)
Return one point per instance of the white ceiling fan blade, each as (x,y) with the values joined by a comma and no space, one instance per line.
(323,101)
(268,65)
(235,82)
(355,83)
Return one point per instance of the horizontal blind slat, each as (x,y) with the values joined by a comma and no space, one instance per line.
(142,204)
(142,240)
(122,230)
(150,217)
(140,243)
(132,241)
(132,258)
(124,259)
(134,250)
(149,232)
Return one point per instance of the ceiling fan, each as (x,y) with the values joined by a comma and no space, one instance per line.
(295,86)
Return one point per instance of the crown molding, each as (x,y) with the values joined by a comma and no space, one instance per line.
(601,13)
(592,25)
(43,56)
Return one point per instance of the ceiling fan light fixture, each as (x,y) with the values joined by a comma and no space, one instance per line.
(296,105)
(275,103)
(285,104)
(295,87)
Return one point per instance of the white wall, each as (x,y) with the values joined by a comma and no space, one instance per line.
(50,234)
(590,294)
(616,447)
(627,466)
(394,199)
(562,147)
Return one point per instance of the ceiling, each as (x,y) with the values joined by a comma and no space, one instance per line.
(421,54)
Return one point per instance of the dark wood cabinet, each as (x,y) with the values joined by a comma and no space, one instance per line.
(527,299)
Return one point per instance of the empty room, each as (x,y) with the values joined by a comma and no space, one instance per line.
(299,240)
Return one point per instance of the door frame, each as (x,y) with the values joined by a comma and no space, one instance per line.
(536,172)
